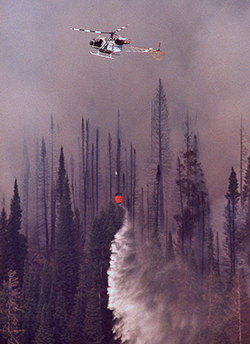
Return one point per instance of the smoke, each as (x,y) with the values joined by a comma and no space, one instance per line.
(152,301)
(47,70)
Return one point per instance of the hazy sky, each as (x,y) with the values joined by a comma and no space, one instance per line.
(46,69)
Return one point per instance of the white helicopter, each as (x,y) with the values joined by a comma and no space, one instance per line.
(113,45)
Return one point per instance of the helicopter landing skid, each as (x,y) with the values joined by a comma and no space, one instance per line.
(102,55)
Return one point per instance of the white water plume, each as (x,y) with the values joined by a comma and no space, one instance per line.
(136,310)
(153,302)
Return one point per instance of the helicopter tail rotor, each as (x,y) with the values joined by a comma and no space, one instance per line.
(158,54)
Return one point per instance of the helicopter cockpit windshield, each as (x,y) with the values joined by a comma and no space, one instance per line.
(98,42)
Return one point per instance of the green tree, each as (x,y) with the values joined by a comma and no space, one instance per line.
(230,227)
(60,320)
(43,185)
(26,181)
(44,333)
(66,257)
(77,321)
(161,154)
(193,215)
(29,299)
(104,228)
(16,242)
(93,321)
(45,289)
(246,206)
(3,247)
(61,176)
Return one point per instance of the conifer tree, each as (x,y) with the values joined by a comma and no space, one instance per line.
(29,299)
(45,288)
(52,193)
(61,176)
(43,186)
(77,321)
(231,242)
(161,155)
(246,205)
(194,212)
(16,242)
(11,310)
(44,333)
(3,247)
(104,228)
(60,321)
(237,314)
(93,321)
(66,257)
(25,199)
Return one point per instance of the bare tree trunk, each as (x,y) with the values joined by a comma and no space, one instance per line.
(118,157)
(110,167)
(53,200)
(92,189)
(97,171)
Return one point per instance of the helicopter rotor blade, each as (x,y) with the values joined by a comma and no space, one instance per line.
(87,30)
(122,28)
(100,32)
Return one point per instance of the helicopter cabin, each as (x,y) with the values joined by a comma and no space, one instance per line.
(98,42)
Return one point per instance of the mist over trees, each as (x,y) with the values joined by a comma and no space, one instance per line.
(55,242)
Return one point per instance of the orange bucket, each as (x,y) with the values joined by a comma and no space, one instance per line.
(118,198)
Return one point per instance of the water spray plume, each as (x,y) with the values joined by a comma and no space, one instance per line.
(153,301)
(136,321)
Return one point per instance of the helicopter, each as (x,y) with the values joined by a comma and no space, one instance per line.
(113,45)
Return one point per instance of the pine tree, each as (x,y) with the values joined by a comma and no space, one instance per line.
(66,257)
(194,211)
(3,247)
(29,299)
(161,155)
(104,228)
(43,186)
(52,193)
(11,310)
(61,333)
(44,333)
(238,311)
(45,287)
(61,176)
(93,321)
(25,199)
(246,205)
(231,244)
(214,296)
(110,168)
(16,242)
(77,321)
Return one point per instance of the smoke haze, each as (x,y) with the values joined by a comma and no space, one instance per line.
(46,69)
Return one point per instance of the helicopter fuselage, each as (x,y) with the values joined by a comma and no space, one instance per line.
(108,46)
(112,45)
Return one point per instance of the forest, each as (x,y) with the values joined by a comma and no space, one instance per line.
(55,242)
